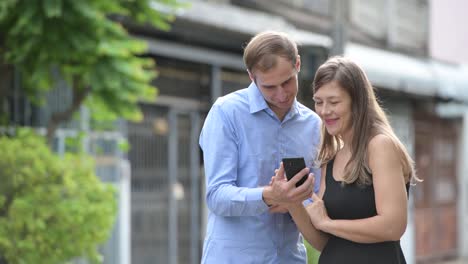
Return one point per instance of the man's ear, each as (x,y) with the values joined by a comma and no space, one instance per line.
(298,63)
(252,78)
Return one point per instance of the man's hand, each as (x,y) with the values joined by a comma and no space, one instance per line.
(282,192)
(279,209)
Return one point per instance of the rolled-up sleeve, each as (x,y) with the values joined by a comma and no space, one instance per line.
(220,145)
(316,169)
(318,175)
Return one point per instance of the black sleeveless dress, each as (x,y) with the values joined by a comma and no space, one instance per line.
(351,201)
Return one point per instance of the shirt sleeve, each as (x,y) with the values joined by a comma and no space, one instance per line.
(219,143)
(316,170)
(318,175)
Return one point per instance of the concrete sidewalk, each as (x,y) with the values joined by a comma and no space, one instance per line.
(454,261)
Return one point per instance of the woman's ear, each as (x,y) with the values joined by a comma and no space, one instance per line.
(298,63)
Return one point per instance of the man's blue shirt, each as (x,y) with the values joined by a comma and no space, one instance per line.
(243,142)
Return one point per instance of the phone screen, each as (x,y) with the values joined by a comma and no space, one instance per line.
(293,166)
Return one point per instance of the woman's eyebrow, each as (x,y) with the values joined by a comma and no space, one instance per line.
(328,97)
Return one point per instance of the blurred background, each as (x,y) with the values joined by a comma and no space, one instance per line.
(414,52)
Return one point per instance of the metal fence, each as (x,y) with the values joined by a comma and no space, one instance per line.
(166,196)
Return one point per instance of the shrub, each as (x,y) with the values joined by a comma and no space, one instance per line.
(312,254)
(52,208)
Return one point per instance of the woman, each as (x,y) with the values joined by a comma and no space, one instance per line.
(360,213)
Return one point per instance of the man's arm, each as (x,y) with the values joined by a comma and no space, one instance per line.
(220,151)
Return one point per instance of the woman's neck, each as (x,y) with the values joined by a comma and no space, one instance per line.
(345,142)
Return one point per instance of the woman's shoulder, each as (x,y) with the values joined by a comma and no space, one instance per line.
(381,142)
(383,150)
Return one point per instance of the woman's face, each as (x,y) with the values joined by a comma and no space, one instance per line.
(333,105)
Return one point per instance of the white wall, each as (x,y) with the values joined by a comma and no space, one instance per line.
(448,31)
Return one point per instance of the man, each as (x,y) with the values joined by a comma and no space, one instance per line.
(244,138)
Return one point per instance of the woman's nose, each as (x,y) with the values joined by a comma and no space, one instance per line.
(325,109)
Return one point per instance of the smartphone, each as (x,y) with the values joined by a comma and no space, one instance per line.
(293,166)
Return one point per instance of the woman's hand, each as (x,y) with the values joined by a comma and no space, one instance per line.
(318,213)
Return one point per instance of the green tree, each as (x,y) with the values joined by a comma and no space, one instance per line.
(51,208)
(86,43)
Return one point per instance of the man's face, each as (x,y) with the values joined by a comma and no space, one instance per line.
(278,85)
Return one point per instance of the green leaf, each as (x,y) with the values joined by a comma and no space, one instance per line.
(87,48)
(52,8)
(5,8)
(60,208)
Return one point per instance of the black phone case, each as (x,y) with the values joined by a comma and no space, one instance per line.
(293,166)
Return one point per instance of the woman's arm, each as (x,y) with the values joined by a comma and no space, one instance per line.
(300,215)
(390,198)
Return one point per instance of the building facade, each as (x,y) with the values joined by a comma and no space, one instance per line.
(200,59)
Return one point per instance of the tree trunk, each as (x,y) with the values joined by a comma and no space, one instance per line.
(79,95)
(6,86)
(2,260)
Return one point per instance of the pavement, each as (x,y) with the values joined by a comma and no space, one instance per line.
(456,261)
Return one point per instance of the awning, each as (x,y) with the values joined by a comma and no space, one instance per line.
(394,71)
(399,72)
(452,80)
(386,69)
(246,21)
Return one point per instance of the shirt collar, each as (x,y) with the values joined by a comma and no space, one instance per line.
(294,108)
(257,102)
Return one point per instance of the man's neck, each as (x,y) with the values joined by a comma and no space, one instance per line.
(280,114)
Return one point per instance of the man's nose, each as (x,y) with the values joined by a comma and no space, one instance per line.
(282,95)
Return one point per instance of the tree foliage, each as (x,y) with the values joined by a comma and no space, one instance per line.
(51,208)
(94,54)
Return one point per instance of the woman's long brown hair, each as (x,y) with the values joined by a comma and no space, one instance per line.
(367,117)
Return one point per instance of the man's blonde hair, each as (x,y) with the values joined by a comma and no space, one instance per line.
(262,51)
